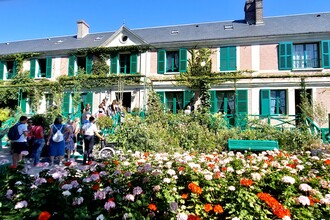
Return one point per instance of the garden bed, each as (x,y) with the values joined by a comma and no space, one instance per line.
(268,185)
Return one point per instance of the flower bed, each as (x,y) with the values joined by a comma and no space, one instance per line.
(269,185)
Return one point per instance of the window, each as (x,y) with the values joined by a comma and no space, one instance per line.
(228,58)
(49,101)
(172,61)
(41,67)
(226,102)
(177,100)
(11,69)
(273,102)
(305,56)
(300,56)
(84,63)
(124,63)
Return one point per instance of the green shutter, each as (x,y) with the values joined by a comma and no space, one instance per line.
(14,69)
(1,69)
(183,59)
(23,102)
(89,63)
(187,96)
(72,60)
(241,101)
(161,61)
(228,58)
(134,63)
(32,68)
(161,96)
(285,55)
(325,47)
(114,63)
(66,104)
(265,102)
(49,67)
(213,102)
(89,100)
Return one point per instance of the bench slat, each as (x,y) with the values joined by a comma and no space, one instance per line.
(258,145)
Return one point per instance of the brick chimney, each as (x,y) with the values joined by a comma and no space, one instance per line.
(254,12)
(83,29)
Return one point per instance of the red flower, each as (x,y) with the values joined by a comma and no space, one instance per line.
(68,163)
(217,175)
(50,180)
(223,169)
(193,217)
(210,165)
(96,187)
(327,162)
(152,207)
(44,215)
(208,207)
(180,169)
(218,209)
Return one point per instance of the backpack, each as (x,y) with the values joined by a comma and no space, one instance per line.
(58,136)
(13,133)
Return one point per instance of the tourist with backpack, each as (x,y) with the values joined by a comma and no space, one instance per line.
(17,135)
(56,141)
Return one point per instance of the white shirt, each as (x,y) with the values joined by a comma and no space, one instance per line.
(89,129)
(21,128)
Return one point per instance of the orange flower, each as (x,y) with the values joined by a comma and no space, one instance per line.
(115,162)
(223,169)
(184,196)
(246,182)
(105,162)
(152,207)
(180,169)
(276,207)
(327,162)
(218,209)
(193,217)
(210,165)
(44,215)
(195,188)
(217,175)
(208,207)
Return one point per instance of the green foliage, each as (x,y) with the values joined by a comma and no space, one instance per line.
(100,67)
(5,114)
(104,122)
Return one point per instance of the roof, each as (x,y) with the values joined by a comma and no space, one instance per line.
(273,26)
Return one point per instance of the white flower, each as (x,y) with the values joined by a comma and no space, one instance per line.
(171,172)
(79,190)
(21,204)
(166,180)
(208,176)
(305,187)
(66,193)
(300,167)
(181,216)
(129,197)
(235,218)
(256,176)
(203,63)
(231,188)
(288,179)
(137,190)
(78,201)
(286,218)
(9,193)
(18,183)
(67,187)
(304,200)
(109,205)
(156,188)
(100,217)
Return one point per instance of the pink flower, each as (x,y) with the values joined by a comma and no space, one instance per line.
(109,205)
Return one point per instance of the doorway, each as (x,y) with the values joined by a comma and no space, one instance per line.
(127,100)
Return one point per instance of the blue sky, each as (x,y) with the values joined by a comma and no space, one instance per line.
(31,19)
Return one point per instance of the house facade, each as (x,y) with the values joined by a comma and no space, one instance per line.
(273,54)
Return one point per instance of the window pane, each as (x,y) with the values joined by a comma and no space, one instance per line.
(305,56)
(278,102)
(172,61)
(124,63)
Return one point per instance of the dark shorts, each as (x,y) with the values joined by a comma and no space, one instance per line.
(74,139)
(18,147)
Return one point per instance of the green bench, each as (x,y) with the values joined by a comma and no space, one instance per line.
(254,145)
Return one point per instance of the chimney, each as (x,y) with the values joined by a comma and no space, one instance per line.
(83,29)
(254,12)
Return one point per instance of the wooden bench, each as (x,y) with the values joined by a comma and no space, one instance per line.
(254,145)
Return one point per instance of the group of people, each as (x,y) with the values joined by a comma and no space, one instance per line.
(33,139)
(109,109)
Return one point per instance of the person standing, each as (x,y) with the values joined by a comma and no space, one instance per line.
(68,137)
(76,131)
(37,133)
(20,144)
(56,149)
(29,138)
(89,130)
